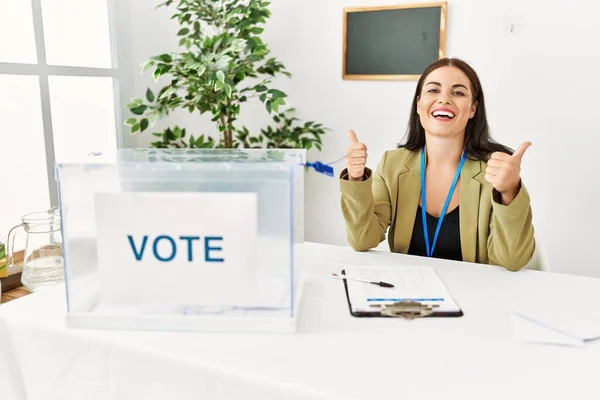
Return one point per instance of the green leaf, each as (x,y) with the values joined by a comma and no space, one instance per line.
(147,65)
(135,128)
(228,91)
(240,76)
(136,101)
(143,124)
(149,95)
(263,97)
(183,31)
(261,88)
(277,93)
(165,58)
(174,102)
(130,121)
(139,110)
(256,31)
(251,42)
(157,73)
(196,26)
(201,70)
(178,133)
(154,115)
(221,76)
(278,102)
(219,86)
(169,135)
(170,90)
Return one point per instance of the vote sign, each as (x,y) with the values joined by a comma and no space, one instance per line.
(173,249)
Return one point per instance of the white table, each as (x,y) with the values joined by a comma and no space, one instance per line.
(332,356)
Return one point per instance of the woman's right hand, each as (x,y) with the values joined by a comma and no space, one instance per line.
(356,158)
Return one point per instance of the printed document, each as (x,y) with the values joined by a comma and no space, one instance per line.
(418,283)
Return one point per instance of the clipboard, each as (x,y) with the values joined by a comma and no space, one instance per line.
(407,309)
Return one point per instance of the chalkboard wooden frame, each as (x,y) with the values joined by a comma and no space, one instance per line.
(442,43)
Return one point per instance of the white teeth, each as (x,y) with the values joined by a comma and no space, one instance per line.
(444,113)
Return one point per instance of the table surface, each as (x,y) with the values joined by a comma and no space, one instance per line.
(14,294)
(333,355)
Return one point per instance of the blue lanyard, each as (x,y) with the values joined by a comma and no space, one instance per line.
(424,202)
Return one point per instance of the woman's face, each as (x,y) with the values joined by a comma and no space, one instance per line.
(445,104)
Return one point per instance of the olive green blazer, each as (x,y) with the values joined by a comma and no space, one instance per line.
(490,233)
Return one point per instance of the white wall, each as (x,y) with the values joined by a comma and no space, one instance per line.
(540,84)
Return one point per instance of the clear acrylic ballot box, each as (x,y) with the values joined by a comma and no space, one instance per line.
(182,239)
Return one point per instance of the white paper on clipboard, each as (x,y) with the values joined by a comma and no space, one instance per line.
(419,283)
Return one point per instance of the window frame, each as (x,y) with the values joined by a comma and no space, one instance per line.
(117,15)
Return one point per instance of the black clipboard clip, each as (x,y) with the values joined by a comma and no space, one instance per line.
(406,309)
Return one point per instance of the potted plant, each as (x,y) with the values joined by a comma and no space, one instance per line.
(222,64)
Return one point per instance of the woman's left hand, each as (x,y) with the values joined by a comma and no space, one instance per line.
(504,172)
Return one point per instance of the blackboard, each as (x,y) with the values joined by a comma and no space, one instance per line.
(393,42)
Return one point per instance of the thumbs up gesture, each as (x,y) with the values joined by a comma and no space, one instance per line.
(356,158)
(503,172)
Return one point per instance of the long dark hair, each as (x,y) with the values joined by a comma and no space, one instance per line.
(478,140)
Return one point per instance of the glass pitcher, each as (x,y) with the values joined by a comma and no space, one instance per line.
(43,258)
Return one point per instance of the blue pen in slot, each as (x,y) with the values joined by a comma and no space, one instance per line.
(323,168)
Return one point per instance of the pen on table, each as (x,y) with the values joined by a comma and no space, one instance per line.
(382,284)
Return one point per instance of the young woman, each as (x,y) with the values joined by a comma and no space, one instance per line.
(449,191)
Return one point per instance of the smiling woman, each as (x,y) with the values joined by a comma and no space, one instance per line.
(450,191)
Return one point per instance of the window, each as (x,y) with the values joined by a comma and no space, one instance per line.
(22,150)
(59,95)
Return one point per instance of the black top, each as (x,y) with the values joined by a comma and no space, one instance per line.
(448,242)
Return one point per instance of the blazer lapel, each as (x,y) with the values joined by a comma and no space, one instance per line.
(469,209)
(409,192)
